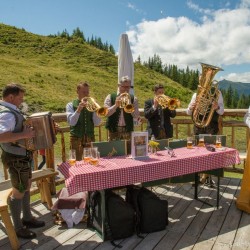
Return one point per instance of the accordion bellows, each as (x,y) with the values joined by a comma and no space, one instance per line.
(45,135)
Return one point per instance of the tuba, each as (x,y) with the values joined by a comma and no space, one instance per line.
(207,93)
(168,102)
(126,104)
(93,106)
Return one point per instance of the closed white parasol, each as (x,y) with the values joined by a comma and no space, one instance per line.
(125,61)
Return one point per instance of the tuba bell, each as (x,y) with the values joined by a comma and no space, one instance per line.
(126,104)
(93,106)
(207,93)
(168,102)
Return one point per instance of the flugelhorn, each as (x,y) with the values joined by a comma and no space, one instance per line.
(126,104)
(93,106)
(207,93)
(168,102)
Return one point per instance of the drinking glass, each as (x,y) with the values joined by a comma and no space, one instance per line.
(218,141)
(201,141)
(72,157)
(87,154)
(189,142)
(95,156)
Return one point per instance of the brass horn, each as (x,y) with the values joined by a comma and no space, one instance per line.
(168,102)
(126,104)
(207,93)
(93,106)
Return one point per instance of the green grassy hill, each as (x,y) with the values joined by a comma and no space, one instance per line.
(50,67)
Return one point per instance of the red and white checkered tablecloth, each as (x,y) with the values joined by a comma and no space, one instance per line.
(122,170)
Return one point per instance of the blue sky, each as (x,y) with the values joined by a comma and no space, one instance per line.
(181,32)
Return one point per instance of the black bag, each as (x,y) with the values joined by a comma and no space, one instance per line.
(120,215)
(151,211)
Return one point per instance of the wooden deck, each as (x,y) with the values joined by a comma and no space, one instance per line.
(192,224)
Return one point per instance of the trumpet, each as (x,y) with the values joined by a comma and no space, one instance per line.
(168,102)
(126,104)
(93,106)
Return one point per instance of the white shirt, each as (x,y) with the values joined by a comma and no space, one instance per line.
(112,109)
(247,118)
(220,111)
(73,116)
(7,119)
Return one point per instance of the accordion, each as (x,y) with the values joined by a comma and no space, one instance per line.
(45,134)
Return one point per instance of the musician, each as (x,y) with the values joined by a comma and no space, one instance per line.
(159,123)
(17,160)
(81,121)
(247,118)
(213,126)
(119,123)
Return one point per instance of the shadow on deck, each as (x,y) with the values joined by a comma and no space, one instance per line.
(192,224)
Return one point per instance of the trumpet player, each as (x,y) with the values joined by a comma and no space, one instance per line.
(119,123)
(159,124)
(81,121)
(17,160)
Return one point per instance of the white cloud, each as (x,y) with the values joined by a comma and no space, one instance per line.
(222,38)
(237,77)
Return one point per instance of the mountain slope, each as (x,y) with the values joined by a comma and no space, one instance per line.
(50,68)
(242,88)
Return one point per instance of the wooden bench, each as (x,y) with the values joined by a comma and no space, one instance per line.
(42,177)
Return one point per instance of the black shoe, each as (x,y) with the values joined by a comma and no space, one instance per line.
(33,223)
(25,233)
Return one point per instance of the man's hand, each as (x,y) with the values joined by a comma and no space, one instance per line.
(117,101)
(156,103)
(191,107)
(215,105)
(81,105)
(28,133)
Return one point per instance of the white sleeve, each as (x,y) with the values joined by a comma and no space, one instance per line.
(189,111)
(96,119)
(72,116)
(7,122)
(247,118)
(107,104)
(220,111)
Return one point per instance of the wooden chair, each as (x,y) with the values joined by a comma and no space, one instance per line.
(162,144)
(111,148)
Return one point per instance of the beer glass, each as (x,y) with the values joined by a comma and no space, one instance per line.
(95,156)
(189,142)
(87,154)
(201,141)
(218,141)
(72,157)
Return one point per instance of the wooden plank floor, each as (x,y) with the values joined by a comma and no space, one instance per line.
(192,224)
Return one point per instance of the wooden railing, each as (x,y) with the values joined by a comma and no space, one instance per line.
(232,118)
(230,124)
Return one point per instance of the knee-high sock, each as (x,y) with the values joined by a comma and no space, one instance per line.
(15,209)
(27,215)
